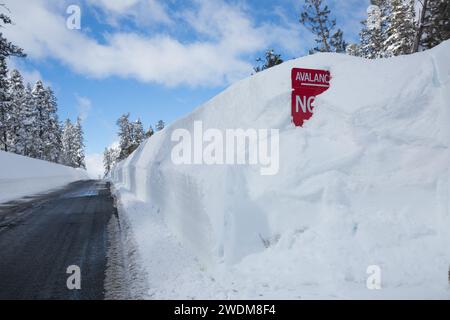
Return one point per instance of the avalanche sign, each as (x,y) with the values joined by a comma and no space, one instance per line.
(306,85)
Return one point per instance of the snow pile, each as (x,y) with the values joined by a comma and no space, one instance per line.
(22,176)
(364,182)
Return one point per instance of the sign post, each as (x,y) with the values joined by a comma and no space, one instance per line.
(306,85)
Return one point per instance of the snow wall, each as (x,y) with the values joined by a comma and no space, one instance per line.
(364,182)
(23,176)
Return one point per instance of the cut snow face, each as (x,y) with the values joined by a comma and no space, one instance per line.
(360,201)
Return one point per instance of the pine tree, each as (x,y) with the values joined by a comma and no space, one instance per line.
(67,141)
(436,23)
(353,50)
(401,29)
(18,113)
(271,59)
(316,17)
(28,123)
(5,107)
(41,117)
(79,145)
(125,136)
(53,132)
(138,133)
(373,34)
(6,49)
(150,132)
(107,162)
(160,125)
(110,156)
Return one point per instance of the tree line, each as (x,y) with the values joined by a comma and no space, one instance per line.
(131,134)
(29,123)
(392,28)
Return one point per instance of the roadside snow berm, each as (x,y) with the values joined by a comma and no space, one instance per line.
(364,182)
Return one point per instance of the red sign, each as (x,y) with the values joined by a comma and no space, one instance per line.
(306,85)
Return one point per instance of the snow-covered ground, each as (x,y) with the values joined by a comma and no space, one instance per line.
(22,176)
(364,182)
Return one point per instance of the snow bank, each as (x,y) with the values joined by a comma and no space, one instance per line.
(22,176)
(364,182)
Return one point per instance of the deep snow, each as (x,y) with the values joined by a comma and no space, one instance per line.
(23,176)
(364,182)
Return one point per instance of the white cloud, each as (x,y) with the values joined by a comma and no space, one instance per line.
(227,34)
(145,12)
(119,6)
(94,165)
(84,106)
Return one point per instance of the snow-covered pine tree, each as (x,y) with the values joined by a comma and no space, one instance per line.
(18,113)
(353,49)
(271,59)
(138,133)
(150,132)
(107,162)
(316,17)
(110,156)
(67,141)
(160,125)
(53,133)
(79,145)
(125,136)
(6,49)
(436,23)
(5,107)
(41,119)
(373,33)
(28,123)
(401,28)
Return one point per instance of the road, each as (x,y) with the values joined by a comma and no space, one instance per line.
(44,235)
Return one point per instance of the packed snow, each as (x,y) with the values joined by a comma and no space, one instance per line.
(365,182)
(23,176)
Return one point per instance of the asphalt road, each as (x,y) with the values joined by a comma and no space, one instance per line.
(44,235)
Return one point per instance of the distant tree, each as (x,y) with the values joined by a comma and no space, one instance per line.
(271,59)
(79,145)
(150,132)
(353,49)
(160,125)
(316,17)
(53,132)
(125,136)
(110,156)
(138,133)
(68,144)
(107,161)
(28,115)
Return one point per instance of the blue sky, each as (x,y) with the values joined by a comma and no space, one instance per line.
(155,59)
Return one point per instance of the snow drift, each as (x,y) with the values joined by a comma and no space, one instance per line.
(364,182)
(22,176)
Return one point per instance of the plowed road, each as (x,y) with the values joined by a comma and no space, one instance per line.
(40,237)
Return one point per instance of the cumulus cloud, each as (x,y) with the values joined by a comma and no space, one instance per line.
(223,35)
